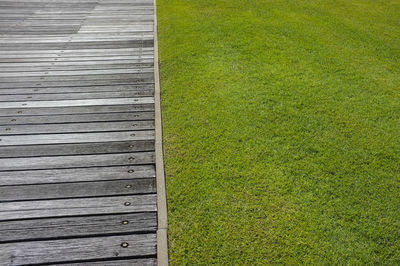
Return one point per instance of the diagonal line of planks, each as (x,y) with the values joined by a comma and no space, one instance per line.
(77,132)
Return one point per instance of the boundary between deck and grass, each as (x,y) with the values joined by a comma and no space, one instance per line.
(162,209)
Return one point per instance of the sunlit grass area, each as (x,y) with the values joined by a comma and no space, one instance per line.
(282,131)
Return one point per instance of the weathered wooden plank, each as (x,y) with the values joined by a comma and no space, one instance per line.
(75,83)
(86,102)
(68,250)
(59,162)
(27,177)
(75,118)
(93,109)
(87,89)
(139,42)
(74,96)
(81,51)
(131,32)
(76,138)
(73,59)
(74,15)
(75,207)
(123,262)
(110,16)
(65,67)
(72,5)
(77,127)
(54,228)
(76,74)
(77,190)
(65,78)
(76,148)
(57,63)
(134,30)
(77,46)
(51,55)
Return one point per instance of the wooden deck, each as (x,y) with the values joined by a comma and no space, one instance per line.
(77,132)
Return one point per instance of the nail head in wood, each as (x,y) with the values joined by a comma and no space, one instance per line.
(124,244)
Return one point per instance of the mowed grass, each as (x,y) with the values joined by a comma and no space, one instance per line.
(282,131)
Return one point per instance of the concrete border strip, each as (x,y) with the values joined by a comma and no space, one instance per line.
(162,209)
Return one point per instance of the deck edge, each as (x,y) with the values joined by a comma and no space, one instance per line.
(162,207)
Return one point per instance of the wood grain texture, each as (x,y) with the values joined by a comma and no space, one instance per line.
(73,96)
(62,119)
(125,262)
(93,109)
(77,148)
(87,102)
(79,127)
(48,176)
(53,228)
(86,89)
(77,190)
(52,251)
(76,138)
(77,82)
(72,161)
(74,207)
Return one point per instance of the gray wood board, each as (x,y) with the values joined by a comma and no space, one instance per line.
(74,96)
(27,177)
(52,228)
(76,54)
(77,190)
(86,102)
(73,161)
(75,207)
(78,45)
(55,67)
(76,148)
(77,127)
(91,82)
(68,250)
(123,262)
(75,118)
(76,138)
(74,59)
(93,109)
(77,77)
(84,51)
(87,89)
(83,64)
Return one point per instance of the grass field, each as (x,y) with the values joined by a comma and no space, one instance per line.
(282,131)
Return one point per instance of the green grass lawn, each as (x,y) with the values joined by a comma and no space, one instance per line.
(282,131)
